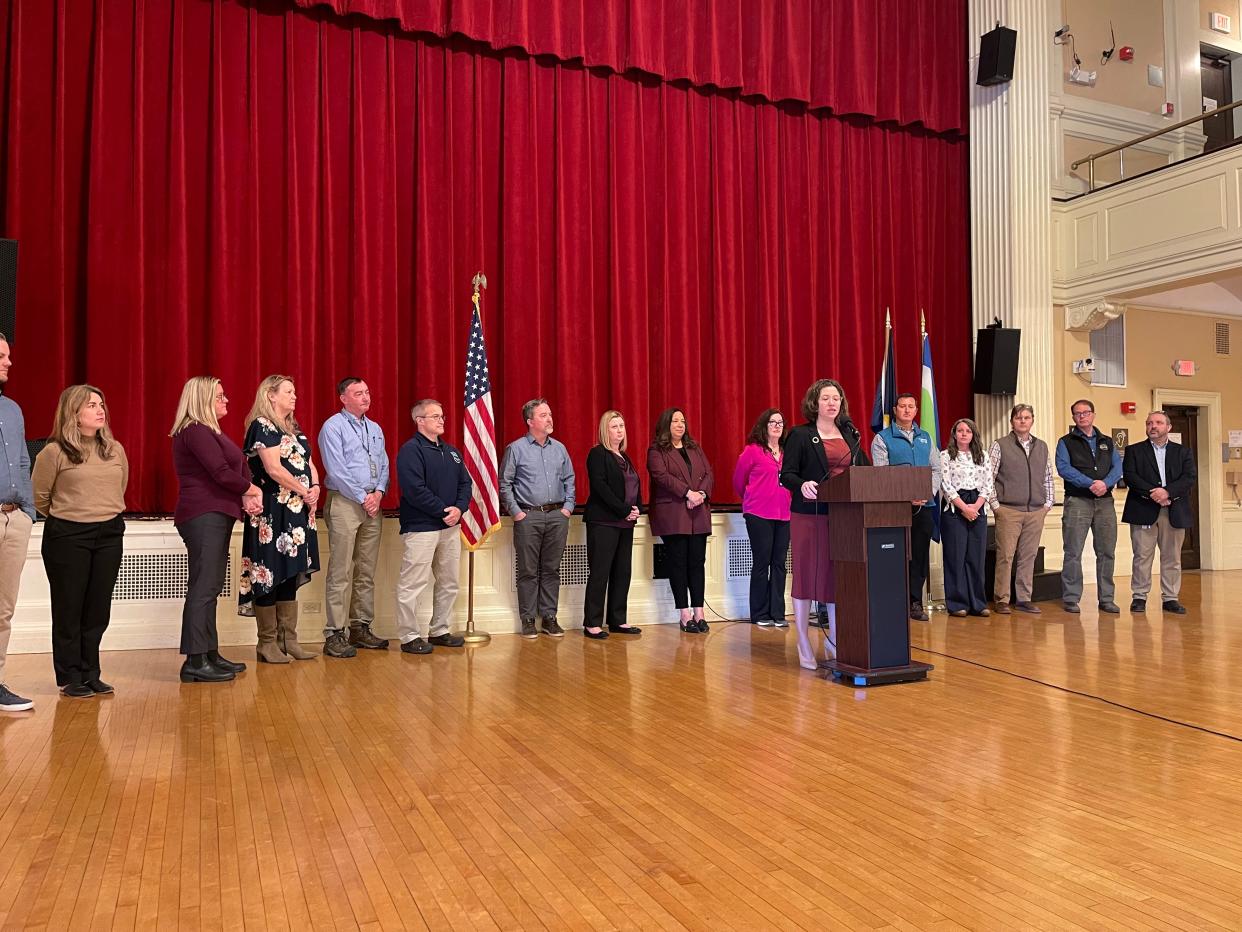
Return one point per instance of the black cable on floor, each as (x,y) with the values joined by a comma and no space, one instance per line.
(1076,692)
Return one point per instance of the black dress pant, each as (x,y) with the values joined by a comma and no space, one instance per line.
(610,553)
(686,555)
(81,560)
(922,524)
(965,545)
(207,545)
(769,546)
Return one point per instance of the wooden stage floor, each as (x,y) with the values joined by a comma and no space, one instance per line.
(673,781)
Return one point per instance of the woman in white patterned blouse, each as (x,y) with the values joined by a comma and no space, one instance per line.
(965,487)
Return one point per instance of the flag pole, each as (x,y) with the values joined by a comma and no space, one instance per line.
(472,636)
(930,601)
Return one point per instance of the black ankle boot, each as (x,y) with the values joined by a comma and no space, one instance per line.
(198,669)
(214,658)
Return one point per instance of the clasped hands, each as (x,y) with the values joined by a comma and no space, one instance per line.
(1160,497)
(693,500)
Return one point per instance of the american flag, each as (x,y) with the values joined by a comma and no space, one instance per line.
(483,515)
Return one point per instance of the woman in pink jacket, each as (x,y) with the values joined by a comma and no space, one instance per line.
(765,508)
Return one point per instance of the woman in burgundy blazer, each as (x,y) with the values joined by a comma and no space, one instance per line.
(680,514)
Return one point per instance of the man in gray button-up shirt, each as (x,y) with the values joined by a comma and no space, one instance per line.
(537,490)
(16,518)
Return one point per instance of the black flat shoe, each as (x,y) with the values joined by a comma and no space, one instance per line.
(625,629)
(600,635)
(100,687)
(702,625)
(690,626)
(77,691)
(1174,606)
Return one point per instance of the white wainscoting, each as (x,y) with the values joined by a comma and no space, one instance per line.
(146,617)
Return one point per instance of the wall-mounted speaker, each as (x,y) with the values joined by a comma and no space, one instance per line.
(8,286)
(996,54)
(996,361)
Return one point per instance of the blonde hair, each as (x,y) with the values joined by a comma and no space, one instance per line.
(603,430)
(262,406)
(66,433)
(197,405)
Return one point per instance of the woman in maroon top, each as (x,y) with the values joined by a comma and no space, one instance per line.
(215,488)
(680,515)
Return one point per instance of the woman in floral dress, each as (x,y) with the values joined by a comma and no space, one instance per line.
(280,547)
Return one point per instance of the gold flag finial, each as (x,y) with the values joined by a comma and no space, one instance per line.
(922,323)
(888,318)
(479,281)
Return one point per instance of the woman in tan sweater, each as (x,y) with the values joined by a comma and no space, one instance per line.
(79,485)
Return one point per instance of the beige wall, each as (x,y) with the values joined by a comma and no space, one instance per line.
(1138,23)
(1231,8)
(1154,338)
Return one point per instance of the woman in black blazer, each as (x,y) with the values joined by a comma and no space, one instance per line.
(611,513)
(827,444)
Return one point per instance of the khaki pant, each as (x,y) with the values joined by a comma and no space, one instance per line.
(14,540)
(1144,539)
(1017,544)
(354,546)
(428,553)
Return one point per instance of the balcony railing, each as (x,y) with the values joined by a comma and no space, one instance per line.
(1120,148)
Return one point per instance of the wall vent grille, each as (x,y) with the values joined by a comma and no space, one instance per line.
(740,561)
(1222,339)
(149,577)
(574,567)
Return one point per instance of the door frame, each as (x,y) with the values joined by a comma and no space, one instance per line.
(1211,481)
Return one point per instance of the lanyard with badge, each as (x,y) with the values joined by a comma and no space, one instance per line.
(364,436)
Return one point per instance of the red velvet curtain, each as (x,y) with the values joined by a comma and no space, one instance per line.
(898,60)
(250,188)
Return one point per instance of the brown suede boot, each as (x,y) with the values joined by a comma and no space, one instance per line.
(287,618)
(268,650)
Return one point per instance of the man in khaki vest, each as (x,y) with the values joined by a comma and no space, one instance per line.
(1022,496)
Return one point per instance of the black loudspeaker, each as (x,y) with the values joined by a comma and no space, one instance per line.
(996,52)
(996,361)
(8,286)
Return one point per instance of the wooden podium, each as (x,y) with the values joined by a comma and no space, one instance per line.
(869,541)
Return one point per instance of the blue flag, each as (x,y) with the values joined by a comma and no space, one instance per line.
(886,390)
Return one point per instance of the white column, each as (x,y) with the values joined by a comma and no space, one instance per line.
(1011,170)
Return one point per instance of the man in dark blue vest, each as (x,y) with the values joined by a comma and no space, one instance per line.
(904,443)
(1090,465)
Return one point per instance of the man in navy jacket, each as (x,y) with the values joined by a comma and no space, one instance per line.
(1160,475)
(435,490)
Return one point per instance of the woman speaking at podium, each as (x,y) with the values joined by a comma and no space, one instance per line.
(826,445)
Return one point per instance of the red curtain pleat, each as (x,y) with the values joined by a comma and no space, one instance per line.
(246,188)
(893,60)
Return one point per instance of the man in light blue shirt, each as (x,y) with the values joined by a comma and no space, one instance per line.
(16,518)
(355,462)
(537,490)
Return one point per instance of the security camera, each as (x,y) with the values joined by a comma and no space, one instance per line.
(1061,32)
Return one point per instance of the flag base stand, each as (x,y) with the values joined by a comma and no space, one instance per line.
(471,636)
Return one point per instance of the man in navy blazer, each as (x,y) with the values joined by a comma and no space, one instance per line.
(1160,475)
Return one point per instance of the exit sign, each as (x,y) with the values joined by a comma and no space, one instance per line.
(1184,367)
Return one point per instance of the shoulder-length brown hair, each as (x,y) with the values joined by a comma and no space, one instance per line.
(664,430)
(759,433)
(976,448)
(810,401)
(68,436)
(262,406)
